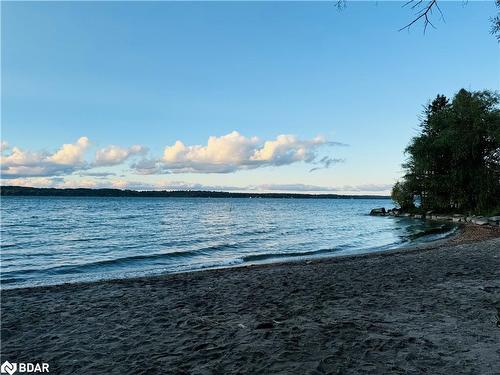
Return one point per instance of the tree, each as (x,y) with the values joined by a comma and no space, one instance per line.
(454,163)
(403,195)
(424,11)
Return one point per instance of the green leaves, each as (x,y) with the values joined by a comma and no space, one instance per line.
(454,164)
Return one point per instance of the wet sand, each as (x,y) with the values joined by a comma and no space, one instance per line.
(423,310)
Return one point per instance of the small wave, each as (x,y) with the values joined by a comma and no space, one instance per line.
(222,247)
(89,239)
(181,242)
(255,231)
(4,246)
(260,257)
(12,280)
(127,217)
(430,231)
(80,268)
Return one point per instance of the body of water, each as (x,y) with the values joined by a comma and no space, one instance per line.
(52,240)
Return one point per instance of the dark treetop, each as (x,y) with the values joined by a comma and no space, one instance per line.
(454,162)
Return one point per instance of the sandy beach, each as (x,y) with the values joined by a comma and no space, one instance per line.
(423,310)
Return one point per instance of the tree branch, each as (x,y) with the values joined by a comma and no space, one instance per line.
(423,13)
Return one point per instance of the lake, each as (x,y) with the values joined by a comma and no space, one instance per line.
(53,240)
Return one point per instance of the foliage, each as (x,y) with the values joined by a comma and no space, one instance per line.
(495,22)
(403,196)
(454,163)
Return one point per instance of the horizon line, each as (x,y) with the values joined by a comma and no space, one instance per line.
(174,191)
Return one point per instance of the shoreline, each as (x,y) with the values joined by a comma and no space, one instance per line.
(460,229)
(22,191)
(429,308)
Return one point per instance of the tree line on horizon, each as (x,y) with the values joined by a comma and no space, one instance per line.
(87,192)
(453,164)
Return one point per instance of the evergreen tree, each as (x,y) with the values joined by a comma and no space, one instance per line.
(454,163)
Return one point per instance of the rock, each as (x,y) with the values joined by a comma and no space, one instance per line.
(494,220)
(378,211)
(418,216)
(458,218)
(406,214)
(480,220)
(443,217)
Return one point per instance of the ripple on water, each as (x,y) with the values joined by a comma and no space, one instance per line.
(49,240)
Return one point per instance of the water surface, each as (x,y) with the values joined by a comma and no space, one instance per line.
(52,240)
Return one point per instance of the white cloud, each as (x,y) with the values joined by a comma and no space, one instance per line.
(38,182)
(221,155)
(224,154)
(287,149)
(71,154)
(61,183)
(234,151)
(66,160)
(114,155)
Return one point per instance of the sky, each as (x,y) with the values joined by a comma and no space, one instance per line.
(240,96)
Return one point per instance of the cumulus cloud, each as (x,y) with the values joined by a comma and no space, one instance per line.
(221,155)
(67,159)
(287,149)
(233,151)
(225,154)
(114,155)
(71,153)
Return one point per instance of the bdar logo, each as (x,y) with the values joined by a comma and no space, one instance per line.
(21,367)
(8,367)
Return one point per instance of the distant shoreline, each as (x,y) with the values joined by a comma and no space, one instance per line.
(84,192)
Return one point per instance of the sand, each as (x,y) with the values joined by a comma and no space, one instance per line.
(425,310)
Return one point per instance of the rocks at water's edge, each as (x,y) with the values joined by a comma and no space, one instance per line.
(383,212)
(430,215)
(378,211)
(494,220)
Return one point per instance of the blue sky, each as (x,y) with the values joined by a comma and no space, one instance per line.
(119,82)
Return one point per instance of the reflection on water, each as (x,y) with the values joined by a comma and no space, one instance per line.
(49,240)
